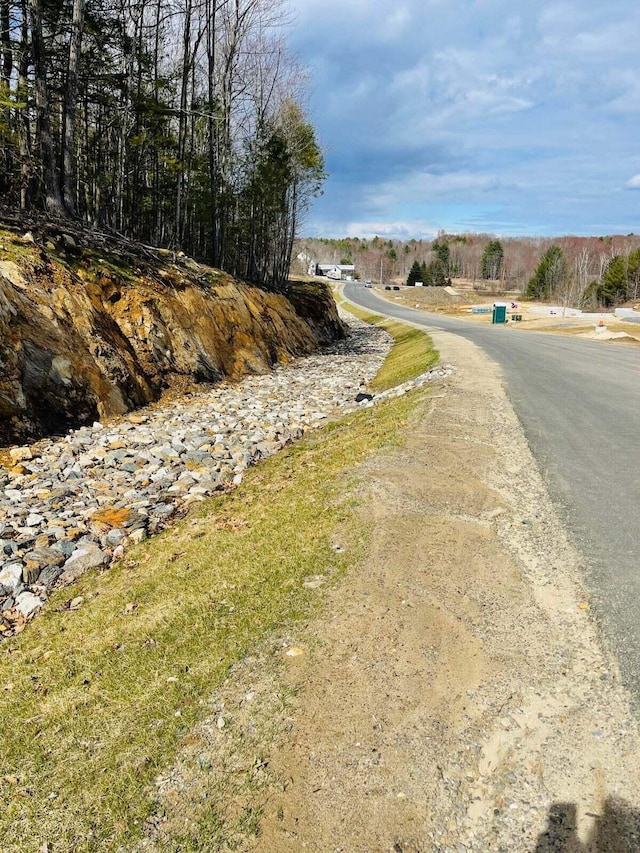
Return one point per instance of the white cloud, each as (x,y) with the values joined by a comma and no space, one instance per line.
(412,229)
(480,102)
(421,187)
(634,182)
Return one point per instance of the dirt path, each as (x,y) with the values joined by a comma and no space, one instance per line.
(458,690)
(454,696)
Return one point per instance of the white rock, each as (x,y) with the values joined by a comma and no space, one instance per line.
(137,536)
(27,603)
(11,576)
(20,454)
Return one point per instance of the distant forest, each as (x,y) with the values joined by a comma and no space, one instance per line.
(587,271)
(176,123)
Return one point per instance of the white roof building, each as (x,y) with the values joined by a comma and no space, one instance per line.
(335,271)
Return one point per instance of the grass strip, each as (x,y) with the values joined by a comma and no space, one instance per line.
(411,355)
(96,702)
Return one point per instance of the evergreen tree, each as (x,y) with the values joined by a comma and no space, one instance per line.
(415,273)
(492,259)
(435,274)
(442,251)
(550,273)
(633,275)
(614,282)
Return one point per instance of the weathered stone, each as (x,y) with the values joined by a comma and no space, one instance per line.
(20,454)
(163,510)
(49,575)
(138,535)
(198,490)
(27,603)
(111,516)
(42,557)
(11,577)
(30,574)
(65,546)
(83,558)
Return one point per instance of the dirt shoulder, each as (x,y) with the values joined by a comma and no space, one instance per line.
(454,694)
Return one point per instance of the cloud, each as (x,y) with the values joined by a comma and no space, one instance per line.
(425,105)
(392,230)
(421,187)
(634,182)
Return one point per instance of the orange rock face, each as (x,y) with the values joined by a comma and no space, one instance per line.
(93,336)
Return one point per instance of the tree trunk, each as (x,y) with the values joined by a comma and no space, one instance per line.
(52,197)
(182,128)
(70,109)
(7,149)
(5,38)
(213,177)
(24,130)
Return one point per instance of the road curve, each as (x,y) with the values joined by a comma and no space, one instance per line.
(579,404)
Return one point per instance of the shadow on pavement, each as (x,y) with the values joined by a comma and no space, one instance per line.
(617,830)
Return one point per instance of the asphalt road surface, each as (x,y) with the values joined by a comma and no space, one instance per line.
(579,404)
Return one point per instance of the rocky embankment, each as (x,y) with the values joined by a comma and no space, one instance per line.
(91,328)
(76,503)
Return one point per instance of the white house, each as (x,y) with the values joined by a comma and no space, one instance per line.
(337,272)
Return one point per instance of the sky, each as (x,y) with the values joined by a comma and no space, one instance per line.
(510,118)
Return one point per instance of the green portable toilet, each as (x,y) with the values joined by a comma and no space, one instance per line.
(499,312)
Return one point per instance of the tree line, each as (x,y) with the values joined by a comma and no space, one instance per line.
(176,123)
(579,271)
(618,280)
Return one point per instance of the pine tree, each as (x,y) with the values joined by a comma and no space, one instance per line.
(550,273)
(442,251)
(614,282)
(436,274)
(633,275)
(492,258)
(415,273)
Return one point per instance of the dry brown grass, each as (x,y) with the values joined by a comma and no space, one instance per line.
(96,702)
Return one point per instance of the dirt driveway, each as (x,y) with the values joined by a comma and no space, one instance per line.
(454,695)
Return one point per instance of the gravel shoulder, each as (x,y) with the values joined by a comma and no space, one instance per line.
(455,694)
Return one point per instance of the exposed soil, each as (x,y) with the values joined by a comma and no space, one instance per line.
(92,327)
(455,694)
(459,305)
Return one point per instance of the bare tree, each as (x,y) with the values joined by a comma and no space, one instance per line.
(70,108)
(51,188)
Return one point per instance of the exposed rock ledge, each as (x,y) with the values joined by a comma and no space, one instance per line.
(87,334)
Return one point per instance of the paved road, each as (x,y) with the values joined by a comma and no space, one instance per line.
(579,404)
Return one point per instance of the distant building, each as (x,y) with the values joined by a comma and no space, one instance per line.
(337,272)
